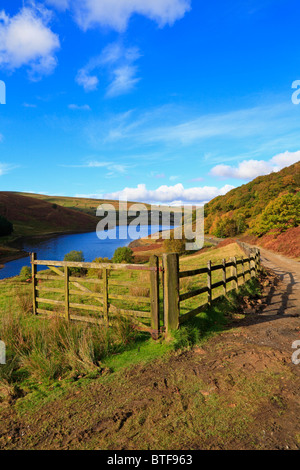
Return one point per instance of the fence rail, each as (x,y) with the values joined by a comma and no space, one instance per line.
(173,299)
(103,304)
(105,301)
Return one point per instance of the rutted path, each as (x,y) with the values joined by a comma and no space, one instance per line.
(240,390)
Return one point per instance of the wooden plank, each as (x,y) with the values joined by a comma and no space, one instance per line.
(84,279)
(229,264)
(187,316)
(42,311)
(98,266)
(76,284)
(50,301)
(132,298)
(56,270)
(105,295)
(194,272)
(134,313)
(95,295)
(243,270)
(209,282)
(171,291)
(49,277)
(91,308)
(50,289)
(234,273)
(116,282)
(224,277)
(94,321)
(67,299)
(216,285)
(154,296)
(217,267)
(189,295)
(34,283)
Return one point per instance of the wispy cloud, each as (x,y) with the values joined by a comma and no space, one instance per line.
(113,169)
(173,126)
(29,105)
(118,63)
(77,107)
(6,168)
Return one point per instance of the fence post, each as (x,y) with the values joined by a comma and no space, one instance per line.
(171,294)
(243,270)
(209,282)
(252,261)
(258,260)
(67,302)
(235,273)
(33,275)
(224,277)
(105,295)
(154,295)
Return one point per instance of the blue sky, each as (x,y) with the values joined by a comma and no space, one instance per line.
(163,101)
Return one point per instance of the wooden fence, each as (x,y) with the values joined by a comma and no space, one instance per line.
(105,303)
(173,299)
(108,303)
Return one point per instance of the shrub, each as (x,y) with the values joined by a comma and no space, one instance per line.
(97,272)
(174,246)
(76,256)
(6,227)
(25,273)
(123,255)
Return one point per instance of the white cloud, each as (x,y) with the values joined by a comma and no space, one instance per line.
(29,105)
(27,40)
(286,159)
(76,107)
(112,168)
(116,14)
(124,81)
(116,61)
(250,169)
(59,4)
(169,194)
(5,168)
(88,82)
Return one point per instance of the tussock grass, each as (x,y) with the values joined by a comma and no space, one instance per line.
(52,349)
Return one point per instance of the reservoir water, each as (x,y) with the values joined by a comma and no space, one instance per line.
(57,247)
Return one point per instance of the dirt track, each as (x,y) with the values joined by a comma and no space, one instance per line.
(239,391)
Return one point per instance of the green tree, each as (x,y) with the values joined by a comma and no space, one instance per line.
(280,215)
(25,273)
(76,256)
(123,254)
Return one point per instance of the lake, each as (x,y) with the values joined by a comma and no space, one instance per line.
(55,248)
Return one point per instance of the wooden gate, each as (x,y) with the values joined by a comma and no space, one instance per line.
(98,292)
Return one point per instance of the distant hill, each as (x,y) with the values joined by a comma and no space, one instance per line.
(34,216)
(268,203)
(83,204)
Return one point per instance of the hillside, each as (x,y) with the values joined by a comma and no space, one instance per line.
(31,216)
(268,206)
(86,205)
